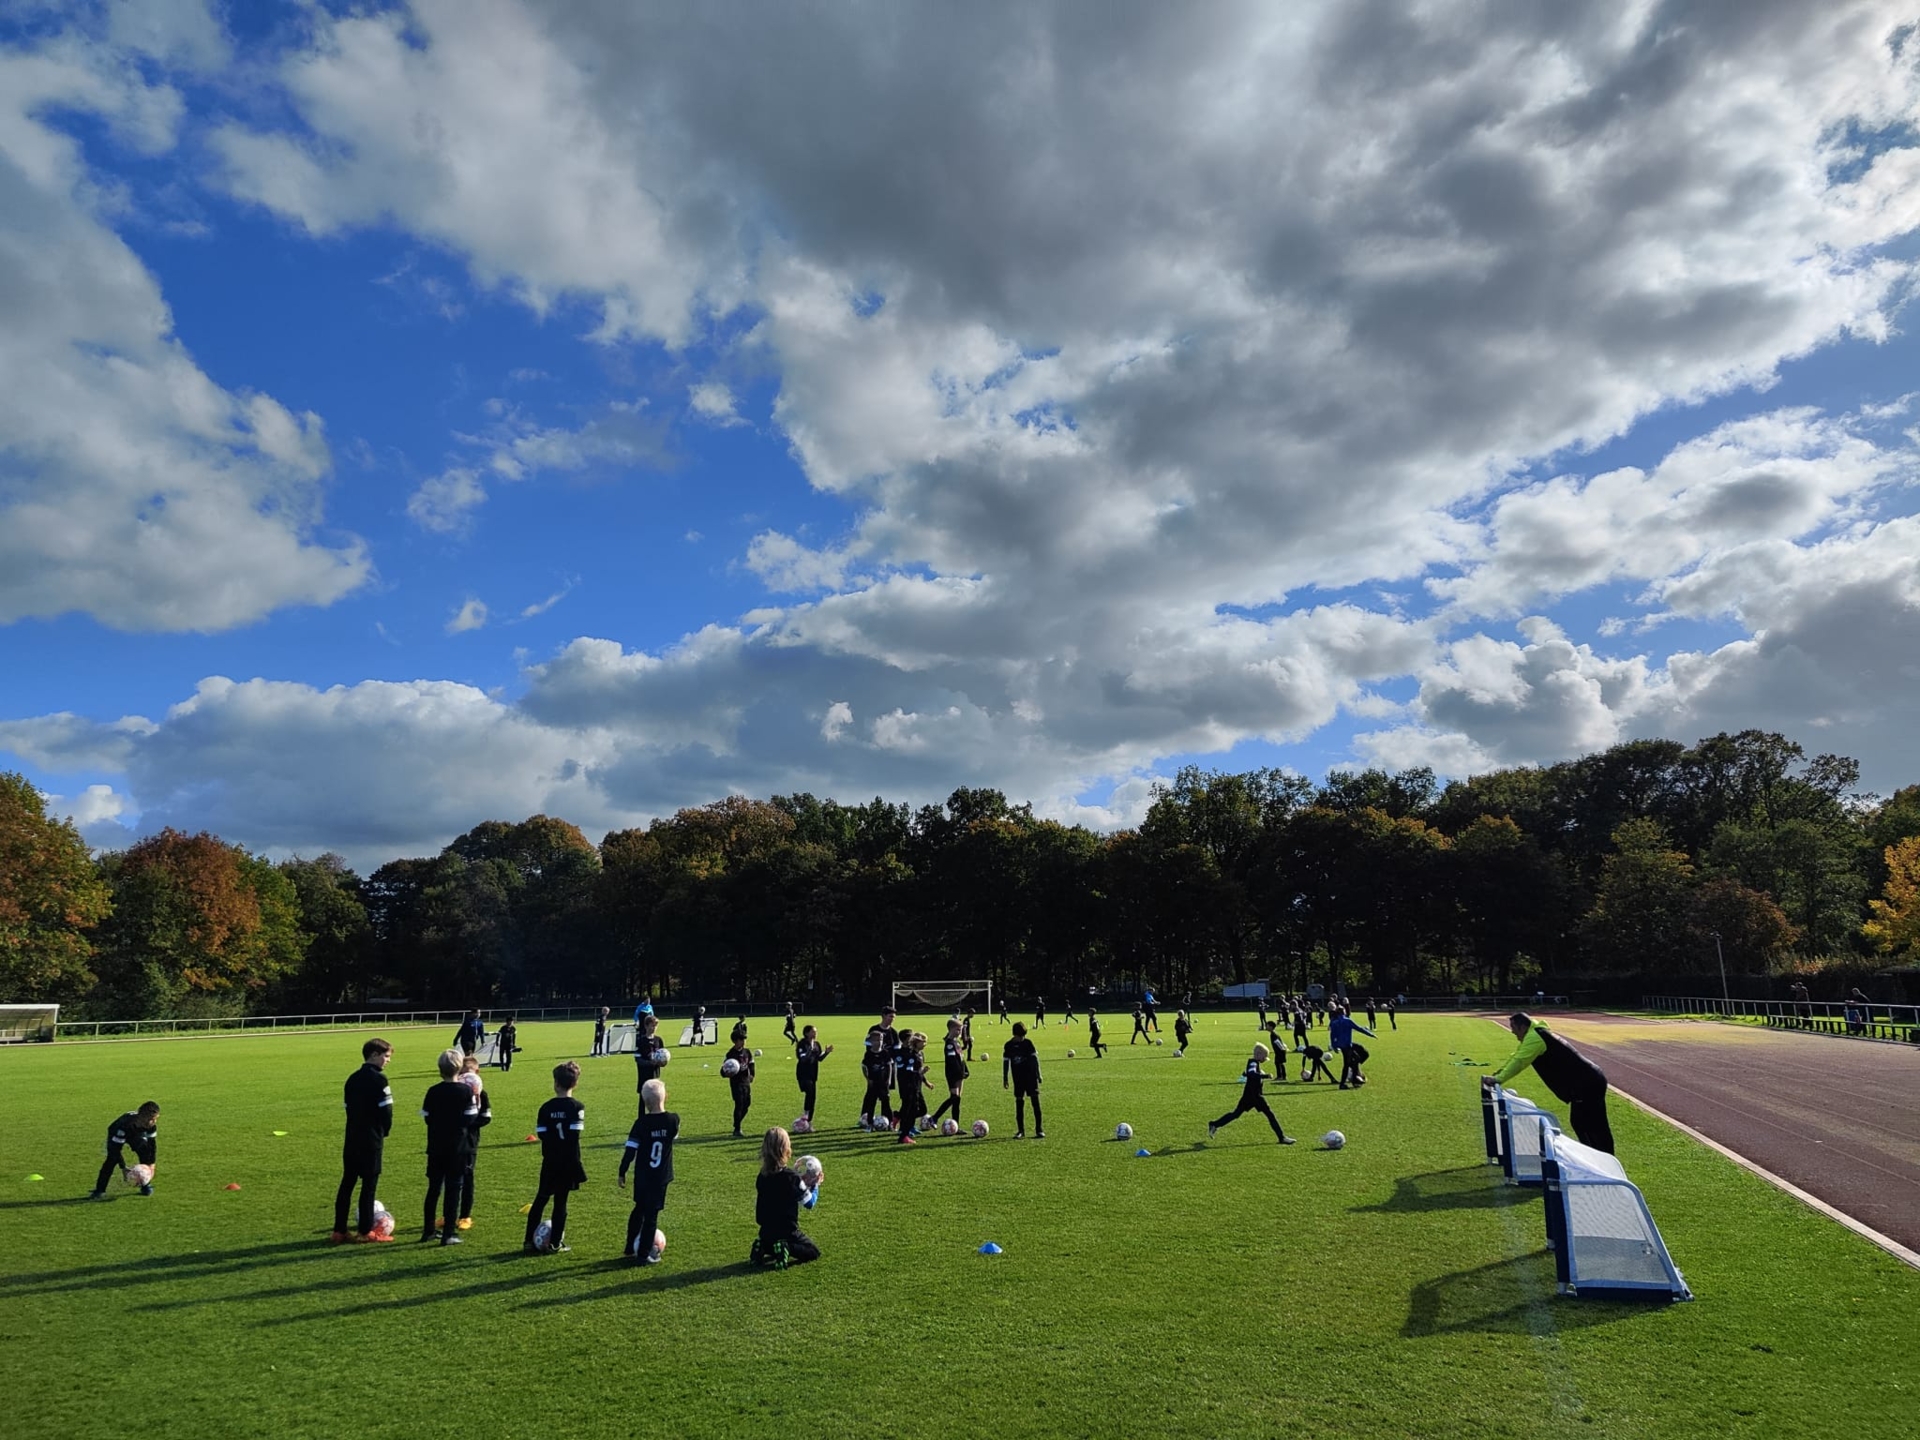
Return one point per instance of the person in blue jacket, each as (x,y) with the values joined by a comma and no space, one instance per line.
(1340,1040)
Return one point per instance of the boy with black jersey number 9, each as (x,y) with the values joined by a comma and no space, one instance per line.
(650,1143)
(1252,1097)
(559,1125)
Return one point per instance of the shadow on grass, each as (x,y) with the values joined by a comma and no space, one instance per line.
(1470,1187)
(1506,1297)
(646,1280)
(50,1200)
(164,1267)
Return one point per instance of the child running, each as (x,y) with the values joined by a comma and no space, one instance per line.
(650,1143)
(139,1129)
(1020,1068)
(559,1125)
(1093,1034)
(806,1071)
(741,1081)
(1252,1097)
(1182,1029)
(779,1192)
(957,1070)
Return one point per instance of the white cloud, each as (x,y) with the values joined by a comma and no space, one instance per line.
(839,717)
(445,503)
(132,488)
(540,607)
(470,616)
(713,402)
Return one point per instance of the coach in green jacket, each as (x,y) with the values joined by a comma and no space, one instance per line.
(1567,1073)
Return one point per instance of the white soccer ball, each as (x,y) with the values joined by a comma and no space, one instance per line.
(801,1126)
(1069,1054)
(812,1169)
(985,1056)
(729,1068)
(660,1057)
(1333,1139)
(1123,1131)
(979,1129)
(382,1220)
(543,1237)
(949,1126)
(659,1242)
(758,1053)
(138,1175)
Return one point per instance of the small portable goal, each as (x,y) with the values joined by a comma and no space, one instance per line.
(943,996)
(1599,1228)
(1520,1131)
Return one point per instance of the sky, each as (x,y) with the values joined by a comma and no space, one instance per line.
(412,415)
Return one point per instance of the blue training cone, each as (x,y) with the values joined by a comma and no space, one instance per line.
(990,1249)
(1142,1154)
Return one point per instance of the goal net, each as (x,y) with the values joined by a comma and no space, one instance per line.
(944,996)
(27,1022)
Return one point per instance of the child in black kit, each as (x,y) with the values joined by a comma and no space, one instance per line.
(139,1129)
(779,1193)
(650,1145)
(504,1046)
(452,1113)
(1252,1097)
(957,1070)
(911,1072)
(1093,1034)
(877,1066)
(1020,1068)
(806,1071)
(559,1125)
(1182,1028)
(741,1081)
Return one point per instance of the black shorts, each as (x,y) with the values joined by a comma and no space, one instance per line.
(957,1072)
(439,1167)
(649,1196)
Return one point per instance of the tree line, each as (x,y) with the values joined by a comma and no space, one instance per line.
(1648,861)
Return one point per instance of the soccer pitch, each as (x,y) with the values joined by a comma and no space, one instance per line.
(1223,1288)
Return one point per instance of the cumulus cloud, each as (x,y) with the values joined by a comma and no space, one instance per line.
(713,402)
(471,615)
(132,487)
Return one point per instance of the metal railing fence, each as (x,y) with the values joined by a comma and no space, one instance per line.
(1870,1020)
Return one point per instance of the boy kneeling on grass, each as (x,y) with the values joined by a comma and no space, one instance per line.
(1252,1097)
(139,1129)
(780,1192)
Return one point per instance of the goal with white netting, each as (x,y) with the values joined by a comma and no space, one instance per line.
(943,996)
(27,1022)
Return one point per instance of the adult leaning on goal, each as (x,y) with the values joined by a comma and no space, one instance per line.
(1576,1080)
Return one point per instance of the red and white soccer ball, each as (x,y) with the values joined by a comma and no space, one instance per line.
(949,1126)
(802,1126)
(382,1221)
(138,1174)
(811,1170)
(470,1079)
(979,1129)
(659,1242)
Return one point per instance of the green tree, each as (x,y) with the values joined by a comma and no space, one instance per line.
(51,899)
(1641,908)
(338,965)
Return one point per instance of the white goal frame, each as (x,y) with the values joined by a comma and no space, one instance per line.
(940,996)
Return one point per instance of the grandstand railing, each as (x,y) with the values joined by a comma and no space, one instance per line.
(1869,1020)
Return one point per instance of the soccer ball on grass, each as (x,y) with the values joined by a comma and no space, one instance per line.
(1333,1140)
(1123,1131)
(949,1126)
(979,1129)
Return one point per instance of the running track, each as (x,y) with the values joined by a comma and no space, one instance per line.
(1839,1118)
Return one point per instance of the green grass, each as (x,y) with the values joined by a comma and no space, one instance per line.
(1215,1289)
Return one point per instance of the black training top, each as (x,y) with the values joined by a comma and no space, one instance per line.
(131,1130)
(452,1113)
(1565,1071)
(1256,1080)
(650,1145)
(776,1207)
(645,1046)
(808,1054)
(559,1125)
(1020,1061)
(744,1055)
(369,1105)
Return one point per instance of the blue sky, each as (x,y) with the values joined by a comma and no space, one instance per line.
(644,421)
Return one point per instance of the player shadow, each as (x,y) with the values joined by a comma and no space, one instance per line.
(490,1288)
(646,1280)
(1470,1187)
(1507,1297)
(50,1200)
(159,1267)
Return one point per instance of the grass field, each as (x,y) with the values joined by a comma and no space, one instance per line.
(1225,1288)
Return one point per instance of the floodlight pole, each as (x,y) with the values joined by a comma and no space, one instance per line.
(1725,998)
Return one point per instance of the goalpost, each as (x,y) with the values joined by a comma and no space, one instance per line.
(944,996)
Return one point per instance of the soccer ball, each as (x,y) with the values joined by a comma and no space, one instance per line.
(138,1175)
(801,1126)
(1333,1139)
(812,1169)
(1069,1054)
(949,1126)
(729,1068)
(543,1237)
(382,1220)
(660,1057)
(979,1129)
(985,1056)
(1123,1131)
(757,1054)
(659,1242)
(470,1079)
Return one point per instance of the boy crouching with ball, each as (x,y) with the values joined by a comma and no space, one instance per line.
(650,1147)
(138,1129)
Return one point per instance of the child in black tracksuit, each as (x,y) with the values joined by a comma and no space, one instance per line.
(957,1070)
(139,1129)
(560,1124)
(452,1113)
(1020,1068)
(1093,1034)
(650,1145)
(1315,1065)
(911,1072)
(1182,1028)
(877,1066)
(806,1070)
(741,1081)
(1252,1097)
(779,1193)
(503,1044)
(1140,1026)
(470,1067)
